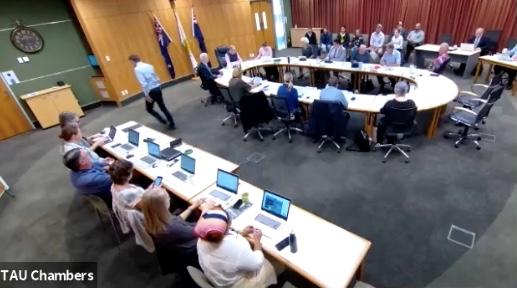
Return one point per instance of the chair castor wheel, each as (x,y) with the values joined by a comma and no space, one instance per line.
(244,139)
(478,147)
(384,161)
(222,124)
(261,139)
(274,138)
(479,138)
(408,150)
(456,146)
(290,141)
(319,151)
(407,161)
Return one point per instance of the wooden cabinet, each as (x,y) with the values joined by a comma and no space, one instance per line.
(98,84)
(48,103)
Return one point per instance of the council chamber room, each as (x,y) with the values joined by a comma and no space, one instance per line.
(258,143)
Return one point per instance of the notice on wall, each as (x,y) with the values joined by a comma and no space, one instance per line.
(10,77)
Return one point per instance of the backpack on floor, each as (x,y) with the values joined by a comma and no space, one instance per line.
(362,143)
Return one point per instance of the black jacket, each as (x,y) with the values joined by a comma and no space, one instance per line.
(255,109)
(484,43)
(312,38)
(327,118)
(205,73)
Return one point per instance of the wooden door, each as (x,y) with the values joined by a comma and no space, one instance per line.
(65,101)
(262,17)
(12,120)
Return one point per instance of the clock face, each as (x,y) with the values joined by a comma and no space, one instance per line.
(26,39)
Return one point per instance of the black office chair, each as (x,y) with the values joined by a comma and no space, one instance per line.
(400,124)
(232,108)
(511,43)
(494,36)
(447,38)
(469,99)
(284,115)
(327,123)
(255,114)
(220,53)
(103,211)
(469,118)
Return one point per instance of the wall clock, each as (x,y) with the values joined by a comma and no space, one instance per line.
(26,39)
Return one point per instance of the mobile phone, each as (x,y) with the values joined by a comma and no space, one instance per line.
(175,142)
(282,244)
(158,181)
(237,204)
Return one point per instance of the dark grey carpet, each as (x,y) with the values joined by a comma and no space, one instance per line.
(406,210)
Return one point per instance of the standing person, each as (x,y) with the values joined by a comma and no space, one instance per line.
(415,38)
(377,40)
(152,90)
(343,36)
(325,40)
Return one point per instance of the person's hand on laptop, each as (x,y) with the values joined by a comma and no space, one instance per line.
(247,231)
(207,205)
(256,236)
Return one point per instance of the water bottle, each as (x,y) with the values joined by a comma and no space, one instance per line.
(292,243)
(288,60)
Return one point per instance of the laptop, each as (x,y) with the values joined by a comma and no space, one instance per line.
(133,138)
(227,184)
(153,151)
(275,210)
(188,164)
(111,134)
(467,47)
(170,153)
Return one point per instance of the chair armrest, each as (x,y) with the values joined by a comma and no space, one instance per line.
(465,110)
(465,92)
(479,100)
(478,86)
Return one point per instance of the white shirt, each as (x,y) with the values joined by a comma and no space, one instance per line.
(416,36)
(397,41)
(124,200)
(265,53)
(227,262)
(377,39)
(146,76)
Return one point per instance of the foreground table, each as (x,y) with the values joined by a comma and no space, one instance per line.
(469,58)
(328,255)
(493,60)
(206,163)
(430,92)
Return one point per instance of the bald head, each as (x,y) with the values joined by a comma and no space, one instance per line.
(479,32)
(362,49)
(418,26)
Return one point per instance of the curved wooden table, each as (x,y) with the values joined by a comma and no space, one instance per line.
(430,93)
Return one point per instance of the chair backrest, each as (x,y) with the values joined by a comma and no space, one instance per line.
(447,38)
(98,204)
(199,277)
(220,52)
(494,36)
(401,119)
(323,119)
(495,93)
(442,67)
(482,111)
(511,43)
(280,106)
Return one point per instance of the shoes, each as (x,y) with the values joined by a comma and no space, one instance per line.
(171,126)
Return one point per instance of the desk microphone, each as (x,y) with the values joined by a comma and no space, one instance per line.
(292,243)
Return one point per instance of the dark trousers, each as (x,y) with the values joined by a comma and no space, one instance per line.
(157,97)
(272,73)
(510,72)
(215,92)
(381,130)
(409,48)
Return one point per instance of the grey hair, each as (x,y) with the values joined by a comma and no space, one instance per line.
(288,77)
(333,81)
(401,88)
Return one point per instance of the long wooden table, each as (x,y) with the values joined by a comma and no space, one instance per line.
(206,163)
(430,93)
(493,60)
(328,255)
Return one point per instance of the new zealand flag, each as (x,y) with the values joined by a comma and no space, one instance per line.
(164,40)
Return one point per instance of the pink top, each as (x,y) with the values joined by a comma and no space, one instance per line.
(265,52)
(438,61)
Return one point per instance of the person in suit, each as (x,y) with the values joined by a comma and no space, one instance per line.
(207,78)
(232,57)
(343,37)
(325,40)
(400,102)
(480,42)
(337,52)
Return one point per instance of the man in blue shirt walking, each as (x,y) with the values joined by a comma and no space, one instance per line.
(87,177)
(151,87)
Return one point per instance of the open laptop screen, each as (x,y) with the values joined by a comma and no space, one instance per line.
(153,149)
(112,133)
(276,204)
(227,180)
(188,164)
(133,137)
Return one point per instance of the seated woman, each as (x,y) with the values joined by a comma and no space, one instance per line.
(226,257)
(237,87)
(70,117)
(443,56)
(289,92)
(233,59)
(173,236)
(73,138)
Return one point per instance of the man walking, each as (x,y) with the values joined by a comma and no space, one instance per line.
(151,87)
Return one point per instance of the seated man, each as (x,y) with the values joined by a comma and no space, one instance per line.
(207,78)
(377,40)
(337,52)
(361,54)
(400,102)
(87,177)
(480,42)
(390,58)
(332,93)
(414,39)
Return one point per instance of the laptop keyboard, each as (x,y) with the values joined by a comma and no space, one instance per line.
(127,146)
(220,195)
(180,175)
(267,221)
(148,159)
